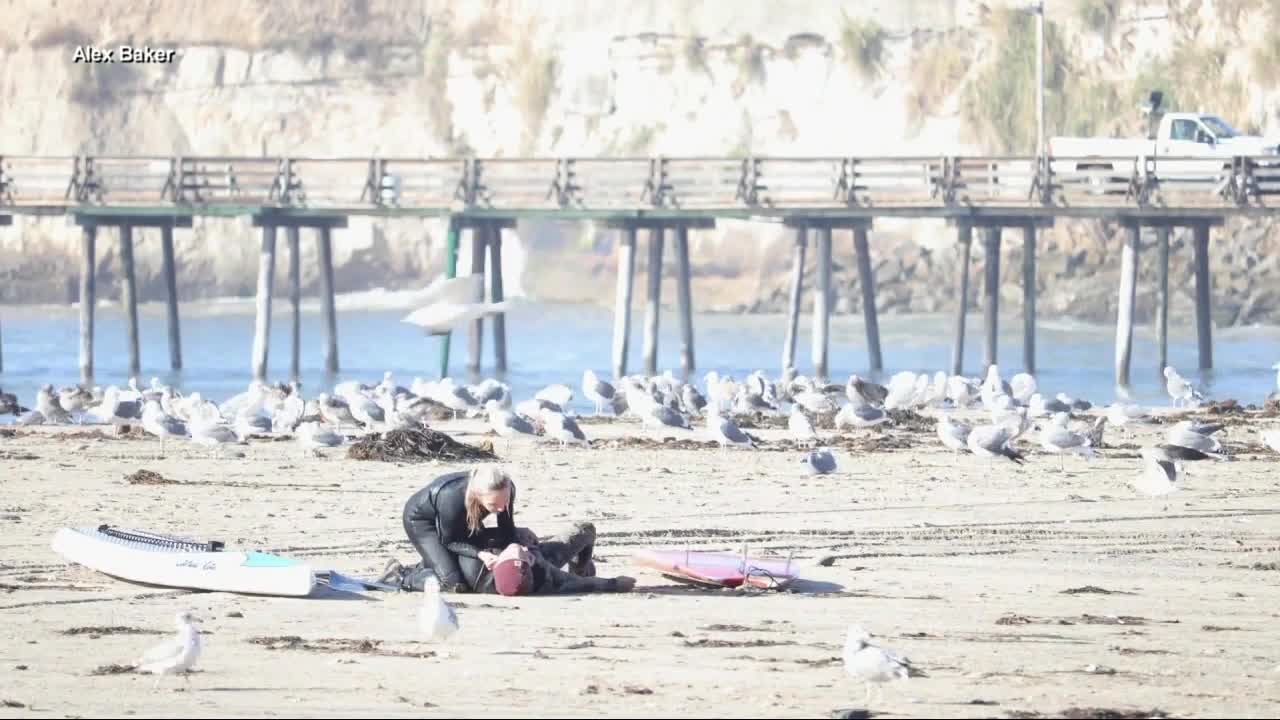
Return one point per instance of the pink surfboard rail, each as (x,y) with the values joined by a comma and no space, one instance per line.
(727,569)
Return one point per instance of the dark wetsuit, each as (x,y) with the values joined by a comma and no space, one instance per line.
(435,519)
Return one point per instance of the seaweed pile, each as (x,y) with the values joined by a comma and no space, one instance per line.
(417,446)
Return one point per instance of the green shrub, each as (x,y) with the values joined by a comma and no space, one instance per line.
(862,40)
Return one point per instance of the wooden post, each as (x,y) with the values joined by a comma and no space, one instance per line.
(622,300)
(964,238)
(793,307)
(450,271)
(991,294)
(1128,294)
(295,302)
(654,308)
(822,305)
(684,293)
(496,295)
(130,297)
(171,284)
(479,237)
(1204,315)
(88,299)
(262,325)
(328,306)
(1029,298)
(867,279)
(1162,294)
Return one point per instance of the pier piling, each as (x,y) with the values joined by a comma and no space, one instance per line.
(88,300)
(1029,298)
(171,287)
(1204,315)
(130,298)
(684,293)
(1162,295)
(867,279)
(295,302)
(822,305)
(450,271)
(1128,294)
(964,239)
(327,304)
(622,299)
(654,307)
(496,295)
(991,295)
(262,324)
(793,308)
(475,344)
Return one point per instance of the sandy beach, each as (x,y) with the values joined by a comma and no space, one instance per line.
(1018,590)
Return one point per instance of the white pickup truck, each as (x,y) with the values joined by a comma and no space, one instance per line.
(1196,146)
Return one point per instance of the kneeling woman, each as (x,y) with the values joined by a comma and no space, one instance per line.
(444,522)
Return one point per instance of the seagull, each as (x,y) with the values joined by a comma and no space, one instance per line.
(1178,453)
(436,618)
(1271,439)
(862,416)
(597,391)
(334,410)
(156,422)
(213,435)
(175,655)
(871,664)
(1178,387)
(453,302)
(1057,438)
(49,405)
(506,423)
(661,416)
(820,462)
(992,441)
(953,434)
(1158,476)
(726,431)
(559,426)
(313,436)
(559,394)
(1185,435)
(800,427)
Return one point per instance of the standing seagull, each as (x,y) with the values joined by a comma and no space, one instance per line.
(725,431)
(597,391)
(175,655)
(563,428)
(159,423)
(800,427)
(1178,387)
(1056,437)
(436,618)
(871,664)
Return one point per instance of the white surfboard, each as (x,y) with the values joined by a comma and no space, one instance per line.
(144,557)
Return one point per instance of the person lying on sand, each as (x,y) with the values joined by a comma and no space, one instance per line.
(444,523)
(521,570)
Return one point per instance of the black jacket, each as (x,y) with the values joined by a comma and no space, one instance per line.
(443,504)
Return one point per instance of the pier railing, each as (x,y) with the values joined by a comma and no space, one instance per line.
(355,185)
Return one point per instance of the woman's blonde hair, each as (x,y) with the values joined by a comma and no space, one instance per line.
(485,480)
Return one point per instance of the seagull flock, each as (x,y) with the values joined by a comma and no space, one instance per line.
(664,403)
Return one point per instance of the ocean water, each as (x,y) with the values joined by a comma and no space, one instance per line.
(555,342)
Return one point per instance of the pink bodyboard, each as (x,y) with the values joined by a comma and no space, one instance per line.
(725,569)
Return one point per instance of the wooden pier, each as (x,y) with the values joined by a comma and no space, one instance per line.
(664,197)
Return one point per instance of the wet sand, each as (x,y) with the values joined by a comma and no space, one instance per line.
(1017,589)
